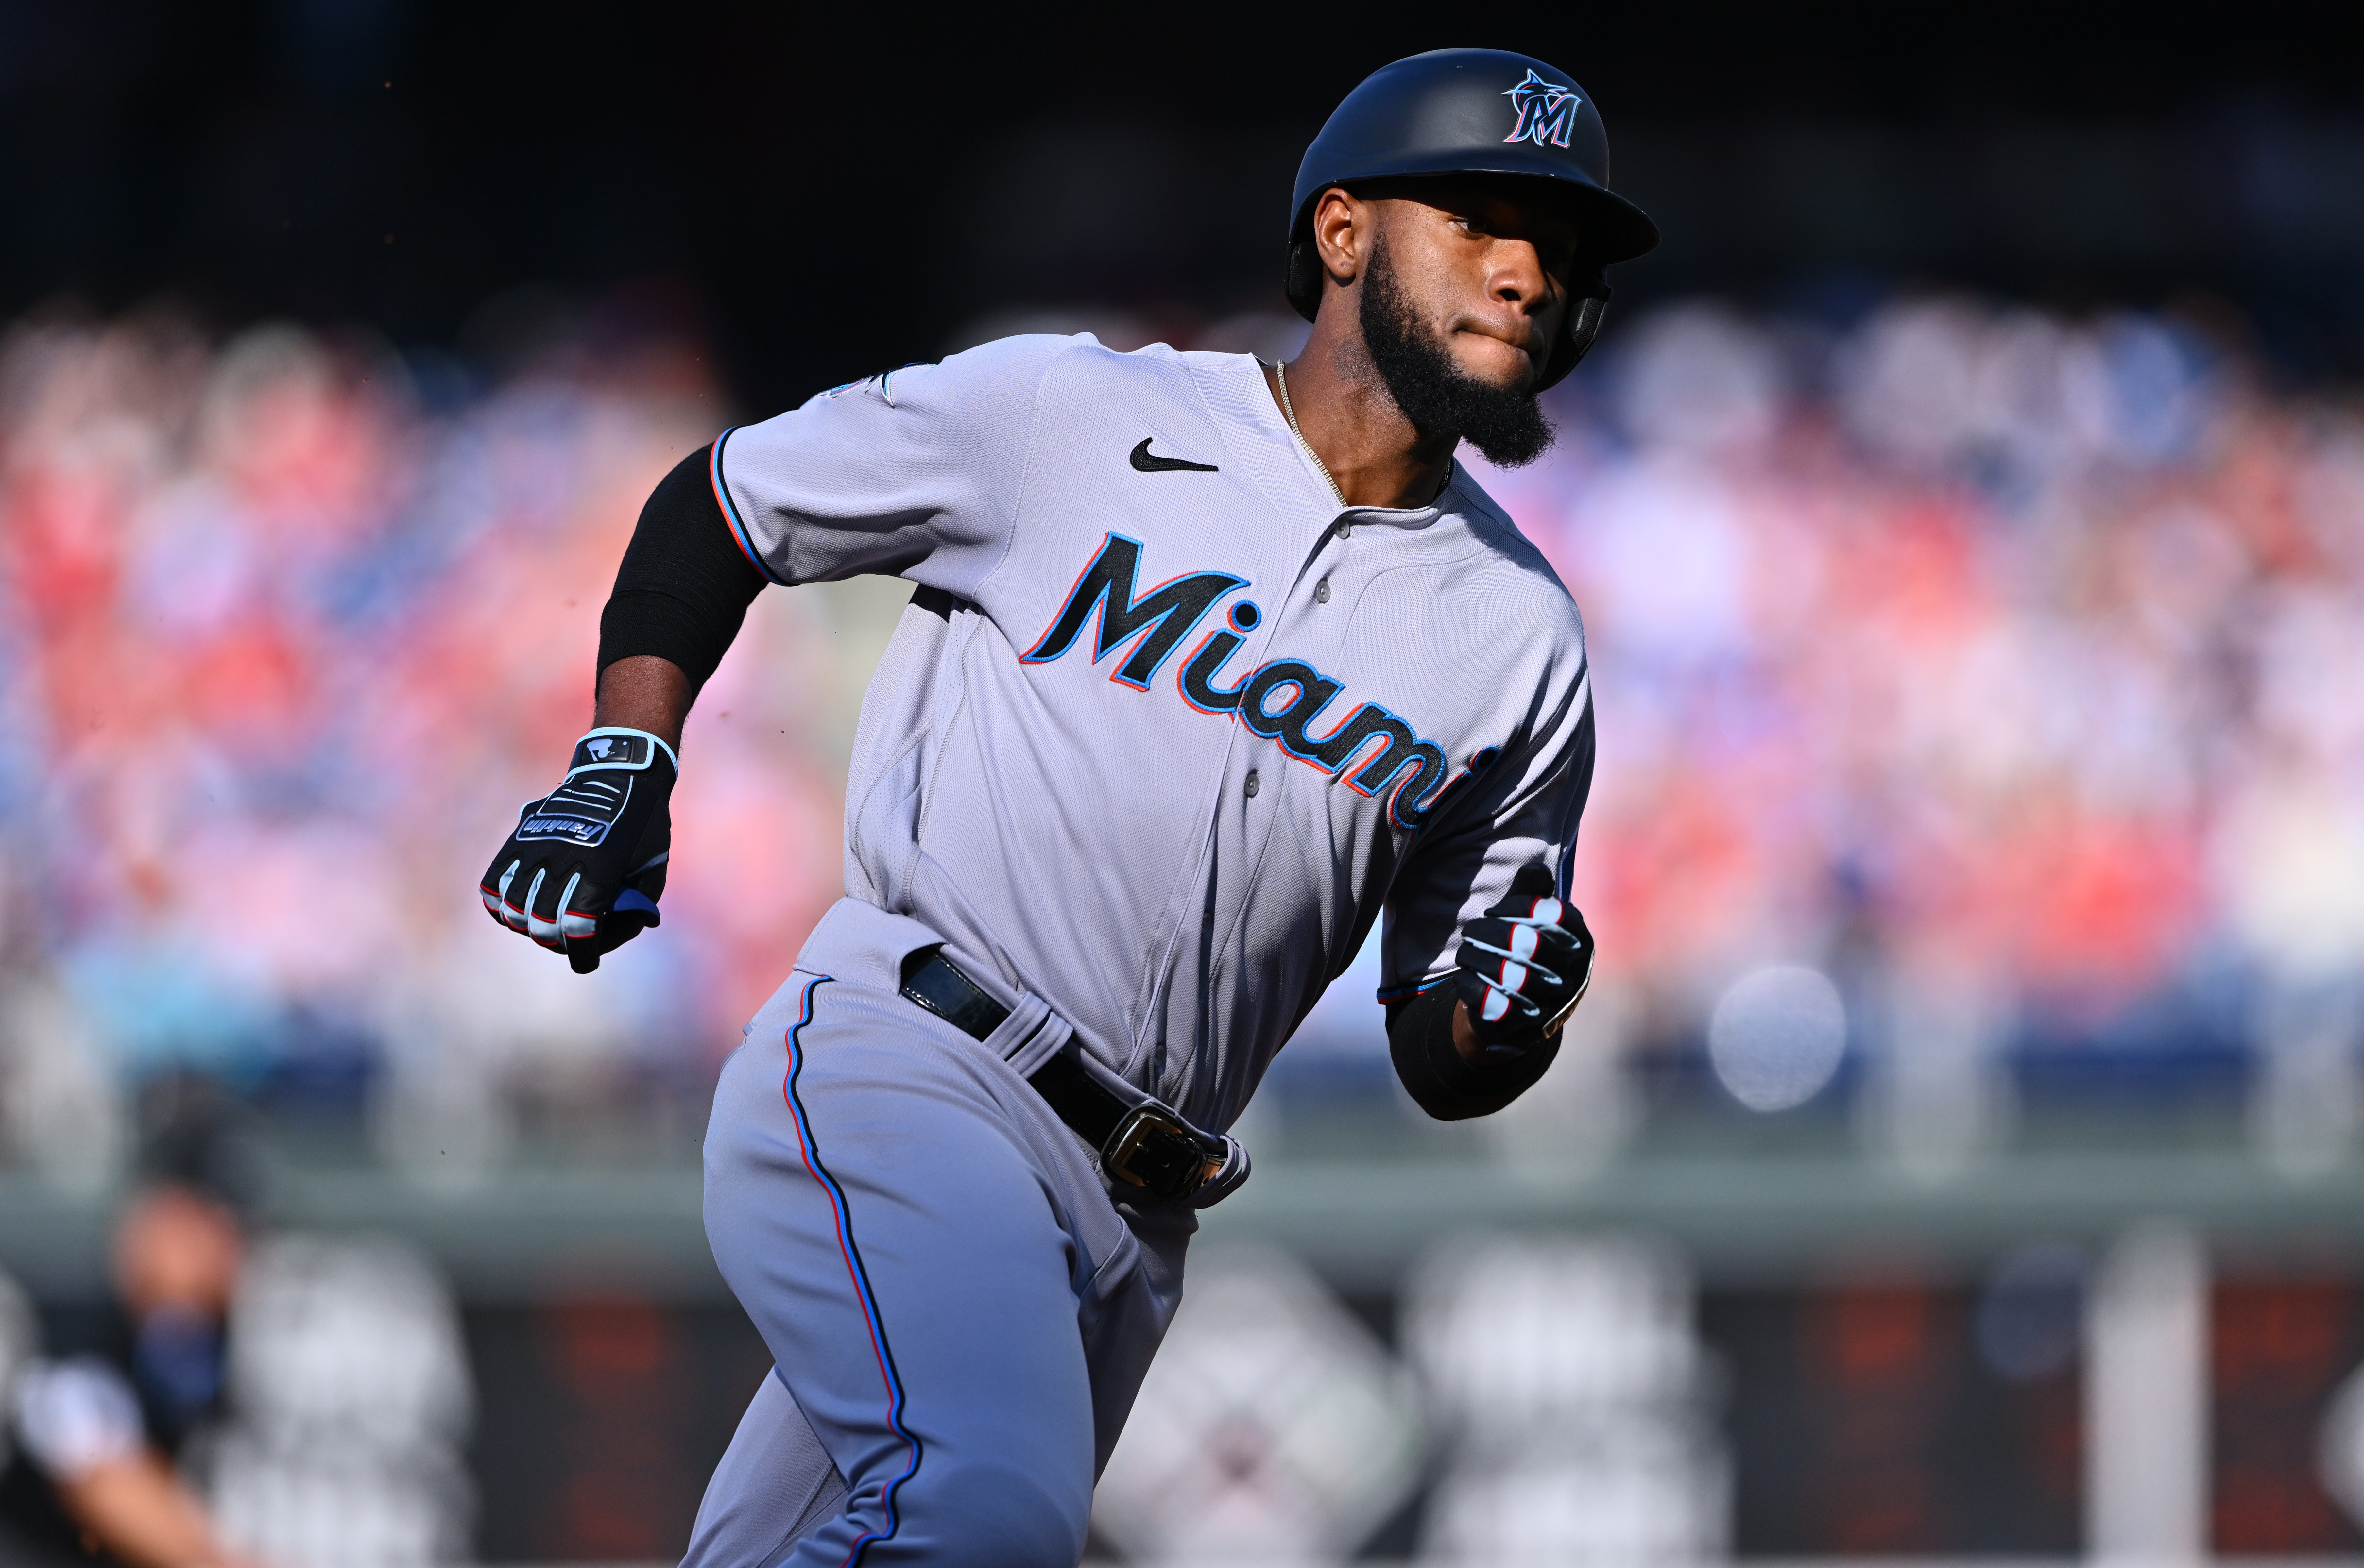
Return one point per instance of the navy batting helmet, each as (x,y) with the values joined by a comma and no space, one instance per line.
(1475,111)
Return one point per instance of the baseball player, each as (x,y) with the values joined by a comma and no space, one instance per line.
(1208,664)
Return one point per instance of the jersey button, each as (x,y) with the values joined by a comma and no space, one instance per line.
(1345,529)
(1252,785)
(1322,592)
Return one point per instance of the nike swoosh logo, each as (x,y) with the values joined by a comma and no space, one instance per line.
(1147,464)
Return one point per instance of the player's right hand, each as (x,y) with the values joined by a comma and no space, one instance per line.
(584,869)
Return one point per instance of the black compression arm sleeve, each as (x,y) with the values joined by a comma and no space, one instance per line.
(684,587)
(1440,1081)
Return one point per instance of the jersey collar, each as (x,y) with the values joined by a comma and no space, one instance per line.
(1275,424)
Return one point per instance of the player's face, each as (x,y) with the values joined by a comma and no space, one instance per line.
(1486,273)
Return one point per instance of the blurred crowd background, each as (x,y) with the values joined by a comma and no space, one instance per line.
(1957,1154)
(1996,667)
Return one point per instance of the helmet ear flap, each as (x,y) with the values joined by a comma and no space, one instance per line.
(1304,286)
(1592,303)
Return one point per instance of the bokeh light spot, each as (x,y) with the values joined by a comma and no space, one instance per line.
(1777,1036)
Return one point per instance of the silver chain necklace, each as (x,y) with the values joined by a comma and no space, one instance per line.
(1281,372)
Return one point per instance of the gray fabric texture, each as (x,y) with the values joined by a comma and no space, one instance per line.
(1175,884)
(774,1486)
(960,1314)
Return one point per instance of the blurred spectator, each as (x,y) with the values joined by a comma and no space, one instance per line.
(282,1400)
(100,1423)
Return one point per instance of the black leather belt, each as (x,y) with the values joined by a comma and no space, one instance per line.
(1147,1145)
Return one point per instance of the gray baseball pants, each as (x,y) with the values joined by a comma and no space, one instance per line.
(959,1313)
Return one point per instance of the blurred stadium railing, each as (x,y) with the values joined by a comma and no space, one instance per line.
(1956,1156)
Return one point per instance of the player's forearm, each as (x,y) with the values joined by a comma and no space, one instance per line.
(645,692)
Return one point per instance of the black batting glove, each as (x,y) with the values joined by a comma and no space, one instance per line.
(583,873)
(1523,966)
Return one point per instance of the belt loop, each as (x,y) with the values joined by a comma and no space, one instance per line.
(1138,1138)
(1030,1036)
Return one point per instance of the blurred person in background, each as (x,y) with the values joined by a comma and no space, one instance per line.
(102,1418)
(246,1397)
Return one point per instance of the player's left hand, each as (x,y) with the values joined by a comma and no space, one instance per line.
(1523,966)
(584,869)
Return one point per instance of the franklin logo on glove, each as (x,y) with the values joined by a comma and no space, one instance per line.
(583,873)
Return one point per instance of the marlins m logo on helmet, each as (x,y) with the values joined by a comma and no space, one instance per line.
(1546,111)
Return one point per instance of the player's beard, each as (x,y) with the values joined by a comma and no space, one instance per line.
(1435,393)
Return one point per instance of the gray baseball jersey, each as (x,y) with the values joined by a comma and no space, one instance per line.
(1164,730)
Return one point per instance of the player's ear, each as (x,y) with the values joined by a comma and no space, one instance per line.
(1341,234)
